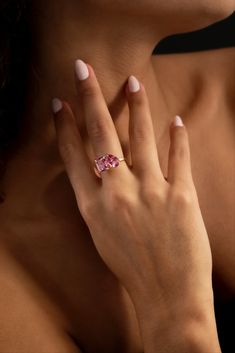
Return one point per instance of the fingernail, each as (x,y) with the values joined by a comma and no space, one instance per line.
(56,105)
(133,84)
(81,70)
(178,121)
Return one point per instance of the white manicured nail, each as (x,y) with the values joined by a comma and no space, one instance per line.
(81,70)
(56,105)
(133,84)
(178,121)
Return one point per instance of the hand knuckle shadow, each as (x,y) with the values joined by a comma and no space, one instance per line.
(181,198)
(140,133)
(98,129)
(152,195)
(119,201)
(88,91)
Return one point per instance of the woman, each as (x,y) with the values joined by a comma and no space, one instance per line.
(119,261)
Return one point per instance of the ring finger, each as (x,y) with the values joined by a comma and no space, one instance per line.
(99,123)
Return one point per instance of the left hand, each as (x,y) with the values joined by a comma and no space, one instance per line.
(149,231)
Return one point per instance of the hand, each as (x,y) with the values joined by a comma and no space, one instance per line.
(148,231)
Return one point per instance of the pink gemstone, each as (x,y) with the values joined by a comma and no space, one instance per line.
(106,162)
(112,160)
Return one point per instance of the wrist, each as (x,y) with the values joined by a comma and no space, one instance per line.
(202,337)
(184,327)
(193,337)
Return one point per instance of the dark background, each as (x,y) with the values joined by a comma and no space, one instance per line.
(219,35)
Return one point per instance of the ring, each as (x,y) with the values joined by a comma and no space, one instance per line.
(106,162)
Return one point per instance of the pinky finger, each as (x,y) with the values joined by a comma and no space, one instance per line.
(179,164)
(77,164)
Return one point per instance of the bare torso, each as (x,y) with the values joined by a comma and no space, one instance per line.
(56,292)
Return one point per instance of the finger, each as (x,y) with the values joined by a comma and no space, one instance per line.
(179,165)
(99,123)
(144,154)
(74,156)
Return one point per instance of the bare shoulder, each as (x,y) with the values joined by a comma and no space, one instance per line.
(213,56)
(214,63)
(182,75)
(28,322)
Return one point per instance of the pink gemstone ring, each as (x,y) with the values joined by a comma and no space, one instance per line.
(106,162)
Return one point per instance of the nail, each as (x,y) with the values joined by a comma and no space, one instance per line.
(133,84)
(178,121)
(56,105)
(81,70)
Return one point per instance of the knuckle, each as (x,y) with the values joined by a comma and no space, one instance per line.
(67,150)
(118,200)
(179,151)
(140,132)
(151,195)
(99,129)
(181,198)
(88,90)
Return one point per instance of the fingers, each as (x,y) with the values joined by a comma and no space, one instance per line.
(74,156)
(179,165)
(99,123)
(142,137)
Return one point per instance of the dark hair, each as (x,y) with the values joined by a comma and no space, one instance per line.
(14,59)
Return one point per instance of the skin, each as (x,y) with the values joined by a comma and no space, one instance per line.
(59,291)
(151,219)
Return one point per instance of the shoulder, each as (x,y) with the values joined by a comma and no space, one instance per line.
(216,57)
(184,69)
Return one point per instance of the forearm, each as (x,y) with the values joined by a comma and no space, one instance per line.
(175,331)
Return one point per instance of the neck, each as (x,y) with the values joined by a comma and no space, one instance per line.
(116,48)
